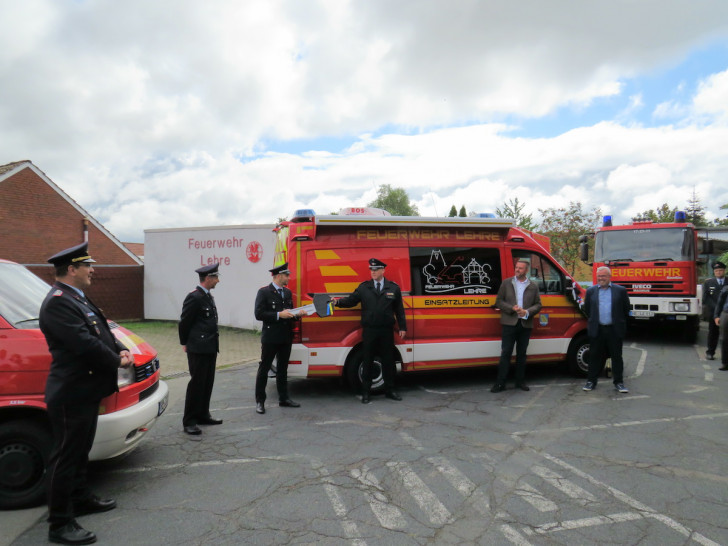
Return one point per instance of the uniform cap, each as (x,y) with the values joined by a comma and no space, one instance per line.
(718,265)
(208,270)
(376,264)
(75,255)
(280,269)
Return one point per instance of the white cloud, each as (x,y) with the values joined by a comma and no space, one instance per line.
(157,114)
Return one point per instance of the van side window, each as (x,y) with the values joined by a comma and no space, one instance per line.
(544,273)
(455,271)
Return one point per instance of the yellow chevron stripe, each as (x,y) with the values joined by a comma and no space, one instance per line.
(337,271)
(326,255)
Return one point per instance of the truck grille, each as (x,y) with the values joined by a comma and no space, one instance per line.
(655,287)
(147,370)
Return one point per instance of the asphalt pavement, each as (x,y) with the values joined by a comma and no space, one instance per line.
(237,348)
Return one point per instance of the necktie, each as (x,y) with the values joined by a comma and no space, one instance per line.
(280,291)
(379,287)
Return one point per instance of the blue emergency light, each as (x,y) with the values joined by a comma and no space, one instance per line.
(680,216)
(607,221)
(303,215)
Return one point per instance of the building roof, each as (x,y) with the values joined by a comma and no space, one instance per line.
(10,169)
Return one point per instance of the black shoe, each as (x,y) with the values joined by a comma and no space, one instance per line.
(193,429)
(723,368)
(71,533)
(365,398)
(523,387)
(92,505)
(260,408)
(498,388)
(210,421)
(709,356)
(393,395)
(288,403)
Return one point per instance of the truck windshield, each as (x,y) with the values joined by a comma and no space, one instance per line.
(21,295)
(644,245)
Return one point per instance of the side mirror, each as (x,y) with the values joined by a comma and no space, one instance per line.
(706,246)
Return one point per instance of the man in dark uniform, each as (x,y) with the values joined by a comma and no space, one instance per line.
(381,302)
(199,338)
(711,291)
(84,369)
(720,318)
(272,306)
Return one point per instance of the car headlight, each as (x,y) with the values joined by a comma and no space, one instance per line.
(125,376)
(682,307)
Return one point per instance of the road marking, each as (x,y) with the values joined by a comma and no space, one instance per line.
(246,429)
(350,529)
(641,362)
(463,484)
(562,484)
(708,372)
(388,515)
(532,403)
(618,425)
(411,441)
(423,495)
(635,504)
(697,388)
(581,523)
(513,536)
(533,497)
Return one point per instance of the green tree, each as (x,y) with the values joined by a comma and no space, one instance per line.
(395,201)
(661,214)
(453,212)
(695,212)
(463,212)
(720,222)
(514,209)
(564,226)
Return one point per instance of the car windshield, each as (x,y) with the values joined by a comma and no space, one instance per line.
(21,295)
(644,245)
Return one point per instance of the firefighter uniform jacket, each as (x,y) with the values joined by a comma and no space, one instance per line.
(377,309)
(711,291)
(85,352)
(268,303)
(198,323)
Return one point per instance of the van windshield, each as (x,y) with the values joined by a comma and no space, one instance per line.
(21,295)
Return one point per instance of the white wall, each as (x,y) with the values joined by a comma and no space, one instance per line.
(172,255)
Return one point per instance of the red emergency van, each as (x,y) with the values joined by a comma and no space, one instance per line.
(25,434)
(449,270)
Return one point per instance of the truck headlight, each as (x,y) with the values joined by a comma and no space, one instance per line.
(681,307)
(125,376)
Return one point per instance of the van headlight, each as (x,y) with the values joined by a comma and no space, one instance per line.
(125,376)
(681,307)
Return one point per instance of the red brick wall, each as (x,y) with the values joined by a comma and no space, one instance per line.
(37,222)
(118,291)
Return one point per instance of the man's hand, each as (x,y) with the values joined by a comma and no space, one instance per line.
(520,311)
(126,359)
(286,314)
(402,333)
(717,321)
(184,348)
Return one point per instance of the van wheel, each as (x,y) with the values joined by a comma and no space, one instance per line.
(578,355)
(24,450)
(354,374)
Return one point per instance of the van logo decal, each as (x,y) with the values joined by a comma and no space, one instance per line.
(442,277)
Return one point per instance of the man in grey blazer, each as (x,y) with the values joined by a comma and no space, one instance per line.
(518,300)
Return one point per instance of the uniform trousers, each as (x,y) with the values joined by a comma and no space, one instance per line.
(378,341)
(74,428)
(713,336)
(282,353)
(606,342)
(724,334)
(199,389)
(519,336)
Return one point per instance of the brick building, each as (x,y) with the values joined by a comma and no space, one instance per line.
(38,219)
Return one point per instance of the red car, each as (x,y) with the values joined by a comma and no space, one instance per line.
(25,434)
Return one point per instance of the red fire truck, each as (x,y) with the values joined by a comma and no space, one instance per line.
(657,264)
(449,270)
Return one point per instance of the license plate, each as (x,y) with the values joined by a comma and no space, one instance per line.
(162,405)
(642,314)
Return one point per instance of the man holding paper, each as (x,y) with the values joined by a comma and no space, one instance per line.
(274,307)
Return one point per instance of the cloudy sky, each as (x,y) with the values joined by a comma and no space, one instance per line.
(181,113)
